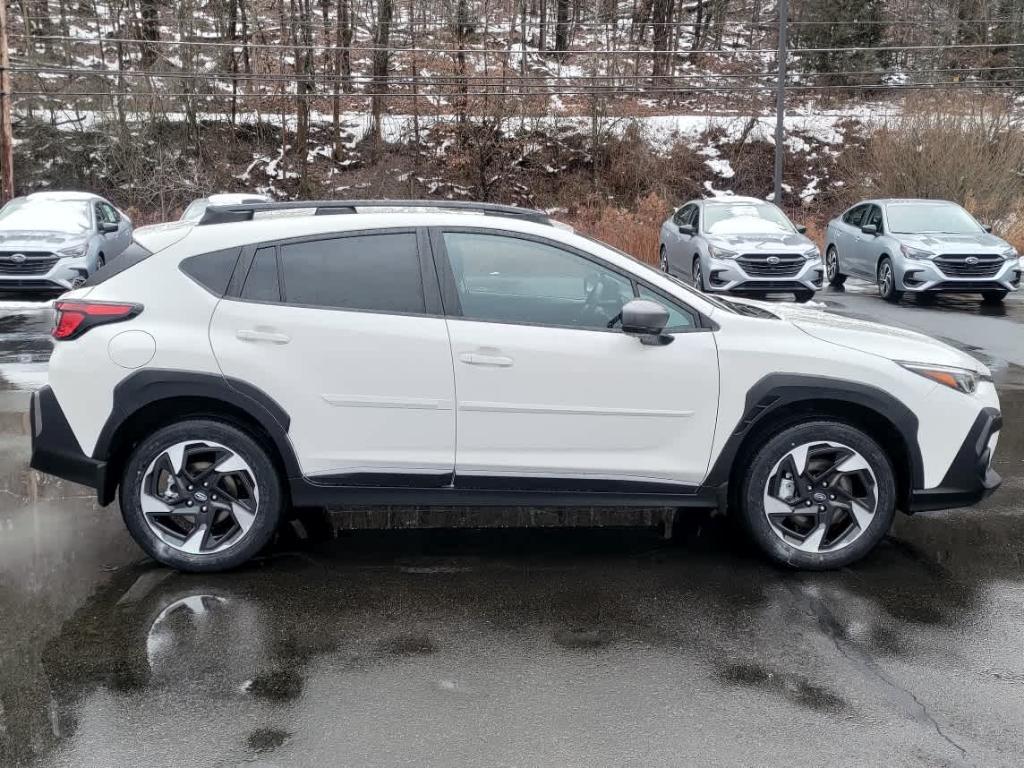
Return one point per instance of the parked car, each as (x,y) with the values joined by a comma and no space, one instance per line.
(244,366)
(55,240)
(739,245)
(919,246)
(197,208)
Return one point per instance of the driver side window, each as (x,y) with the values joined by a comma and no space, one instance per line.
(506,279)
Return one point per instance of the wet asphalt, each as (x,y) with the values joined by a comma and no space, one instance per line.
(515,647)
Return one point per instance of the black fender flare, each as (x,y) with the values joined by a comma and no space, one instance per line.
(777,391)
(149,386)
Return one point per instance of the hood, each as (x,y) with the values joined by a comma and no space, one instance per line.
(873,338)
(36,240)
(769,242)
(938,242)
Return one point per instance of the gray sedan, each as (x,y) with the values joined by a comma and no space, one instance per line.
(919,246)
(53,241)
(740,245)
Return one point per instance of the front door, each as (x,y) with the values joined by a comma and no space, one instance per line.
(347,336)
(549,388)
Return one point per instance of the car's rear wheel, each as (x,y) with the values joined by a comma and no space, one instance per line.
(832,273)
(993,297)
(201,495)
(818,495)
(887,281)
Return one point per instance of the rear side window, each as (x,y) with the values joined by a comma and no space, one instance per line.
(212,270)
(378,273)
(261,283)
(128,258)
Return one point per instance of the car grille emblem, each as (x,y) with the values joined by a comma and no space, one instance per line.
(972,260)
(18,258)
(773,259)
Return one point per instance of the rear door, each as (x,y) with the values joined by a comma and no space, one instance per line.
(550,392)
(680,251)
(847,243)
(346,334)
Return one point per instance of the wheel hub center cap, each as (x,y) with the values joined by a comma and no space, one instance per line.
(819,497)
(200,495)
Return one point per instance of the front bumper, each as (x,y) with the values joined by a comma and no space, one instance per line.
(919,276)
(61,276)
(729,276)
(970,478)
(56,451)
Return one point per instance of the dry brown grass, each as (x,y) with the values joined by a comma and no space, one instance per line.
(633,231)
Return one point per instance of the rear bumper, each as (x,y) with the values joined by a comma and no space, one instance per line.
(55,450)
(970,477)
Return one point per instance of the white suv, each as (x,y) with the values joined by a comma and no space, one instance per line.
(221,372)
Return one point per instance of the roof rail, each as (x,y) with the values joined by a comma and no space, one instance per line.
(223,214)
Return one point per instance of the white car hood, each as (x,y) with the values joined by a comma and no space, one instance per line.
(873,338)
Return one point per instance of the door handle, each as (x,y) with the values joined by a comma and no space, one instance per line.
(258,335)
(479,358)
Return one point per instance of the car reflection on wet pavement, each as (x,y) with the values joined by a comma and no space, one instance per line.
(511,647)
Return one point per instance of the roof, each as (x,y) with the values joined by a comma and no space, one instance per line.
(60,196)
(235,198)
(905,200)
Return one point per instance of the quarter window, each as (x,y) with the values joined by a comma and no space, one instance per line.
(261,283)
(379,272)
(515,280)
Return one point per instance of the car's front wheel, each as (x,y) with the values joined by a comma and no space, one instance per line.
(201,495)
(887,281)
(663,260)
(993,297)
(818,495)
(802,297)
(698,274)
(832,274)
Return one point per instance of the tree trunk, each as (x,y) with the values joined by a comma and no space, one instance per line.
(381,61)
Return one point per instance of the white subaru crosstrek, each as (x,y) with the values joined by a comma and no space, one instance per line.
(221,372)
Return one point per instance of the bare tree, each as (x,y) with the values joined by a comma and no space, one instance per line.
(381,60)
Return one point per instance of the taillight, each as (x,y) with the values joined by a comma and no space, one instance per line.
(76,317)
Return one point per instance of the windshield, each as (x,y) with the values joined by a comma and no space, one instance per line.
(70,216)
(745,219)
(931,218)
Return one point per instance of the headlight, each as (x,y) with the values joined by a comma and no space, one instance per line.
(1009,252)
(915,253)
(812,253)
(959,379)
(718,252)
(74,251)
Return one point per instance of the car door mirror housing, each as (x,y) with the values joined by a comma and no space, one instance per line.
(687,229)
(869,229)
(801,229)
(987,228)
(108,227)
(646,320)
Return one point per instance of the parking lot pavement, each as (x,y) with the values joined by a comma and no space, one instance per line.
(580,647)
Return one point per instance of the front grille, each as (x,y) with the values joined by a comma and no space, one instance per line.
(757,264)
(26,262)
(955,264)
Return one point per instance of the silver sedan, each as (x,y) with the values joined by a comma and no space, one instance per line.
(739,245)
(921,247)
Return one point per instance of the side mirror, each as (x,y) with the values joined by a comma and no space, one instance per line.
(108,227)
(987,228)
(869,229)
(687,229)
(801,229)
(647,320)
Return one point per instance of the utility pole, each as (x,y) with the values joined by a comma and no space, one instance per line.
(780,100)
(6,132)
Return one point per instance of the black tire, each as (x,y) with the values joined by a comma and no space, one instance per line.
(993,297)
(802,297)
(925,298)
(268,482)
(101,261)
(698,275)
(832,273)
(887,285)
(759,468)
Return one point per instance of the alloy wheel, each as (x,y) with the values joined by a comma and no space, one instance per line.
(199,497)
(821,497)
(698,276)
(662,260)
(885,282)
(831,265)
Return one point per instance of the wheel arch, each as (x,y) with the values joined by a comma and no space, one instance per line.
(779,401)
(151,399)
